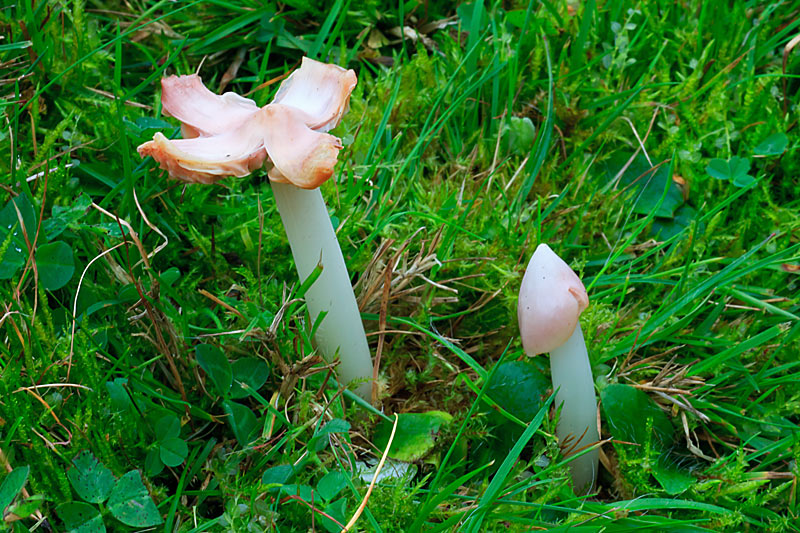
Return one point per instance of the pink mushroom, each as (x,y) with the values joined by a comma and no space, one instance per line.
(229,135)
(551,299)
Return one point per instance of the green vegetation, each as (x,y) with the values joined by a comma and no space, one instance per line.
(155,364)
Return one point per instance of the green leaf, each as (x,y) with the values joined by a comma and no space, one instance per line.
(12,255)
(493,491)
(12,485)
(320,440)
(169,276)
(213,361)
(277,475)
(670,476)
(627,410)
(20,45)
(739,166)
(305,492)
(13,247)
(665,228)
(9,218)
(718,168)
(167,427)
(270,27)
(646,185)
(130,503)
(415,436)
(81,517)
(55,263)
(743,180)
(516,17)
(27,507)
(519,135)
(337,510)
(734,169)
(518,387)
(120,400)
(336,425)
(775,144)
(66,217)
(465,13)
(173,451)
(152,462)
(250,371)
(151,123)
(91,480)
(242,421)
(331,484)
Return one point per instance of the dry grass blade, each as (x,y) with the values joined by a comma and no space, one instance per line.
(153,27)
(405,270)
(111,96)
(670,383)
(786,51)
(152,227)
(272,81)
(221,303)
(387,283)
(364,501)
(159,321)
(307,366)
(690,444)
(75,302)
(233,69)
(53,385)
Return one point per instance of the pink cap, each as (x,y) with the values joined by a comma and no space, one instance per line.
(551,299)
(229,135)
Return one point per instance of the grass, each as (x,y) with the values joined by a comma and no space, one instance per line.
(653,147)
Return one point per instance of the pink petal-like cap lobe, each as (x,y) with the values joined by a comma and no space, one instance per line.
(235,152)
(302,156)
(321,90)
(551,299)
(201,112)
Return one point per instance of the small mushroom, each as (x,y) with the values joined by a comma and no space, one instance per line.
(551,299)
(229,135)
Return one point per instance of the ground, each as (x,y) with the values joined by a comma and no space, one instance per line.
(157,367)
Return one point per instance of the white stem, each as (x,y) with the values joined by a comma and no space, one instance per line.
(572,376)
(312,239)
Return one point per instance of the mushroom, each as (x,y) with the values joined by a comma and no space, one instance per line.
(229,135)
(551,299)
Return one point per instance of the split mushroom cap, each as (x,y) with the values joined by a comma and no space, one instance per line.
(551,299)
(229,135)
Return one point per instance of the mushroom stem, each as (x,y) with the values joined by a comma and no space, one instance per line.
(313,241)
(572,376)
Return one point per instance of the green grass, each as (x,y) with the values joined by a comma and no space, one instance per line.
(506,126)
